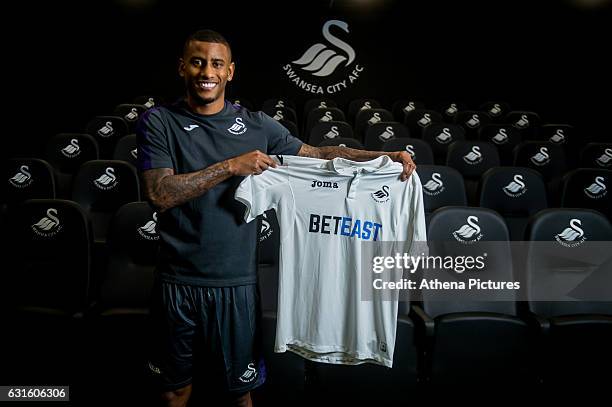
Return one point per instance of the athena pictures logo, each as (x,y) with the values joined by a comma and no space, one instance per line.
(319,68)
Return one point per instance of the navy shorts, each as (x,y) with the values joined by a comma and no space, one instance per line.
(211,330)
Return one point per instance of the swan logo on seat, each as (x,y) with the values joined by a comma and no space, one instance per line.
(470,232)
(23,178)
(597,189)
(474,157)
(238,127)
(516,187)
(108,180)
(323,62)
(572,236)
(387,134)
(445,136)
(106,130)
(558,137)
(266,229)
(72,150)
(605,160)
(501,137)
(435,186)
(382,195)
(333,133)
(149,230)
(541,158)
(48,225)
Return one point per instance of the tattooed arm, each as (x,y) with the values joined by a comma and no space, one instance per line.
(165,189)
(330,152)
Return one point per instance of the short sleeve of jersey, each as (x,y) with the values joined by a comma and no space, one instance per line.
(262,192)
(152,142)
(280,140)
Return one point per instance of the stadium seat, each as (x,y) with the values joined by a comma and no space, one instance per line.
(596,155)
(497,111)
(117,332)
(280,102)
(268,260)
(546,158)
(317,103)
(148,101)
(439,136)
(101,187)
(568,273)
(43,297)
(281,113)
(107,130)
(368,117)
(343,142)
(404,106)
(419,119)
(379,133)
(471,338)
(527,122)
(357,105)
(472,159)
(588,188)
(516,193)
(418,149)
(319,114)
(129,112)
(66,152)
(329,130)
(505,137)
(442,186)
(450,110)
(27,178)
(472,121)
(126,149)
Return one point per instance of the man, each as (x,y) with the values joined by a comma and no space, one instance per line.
(192,156)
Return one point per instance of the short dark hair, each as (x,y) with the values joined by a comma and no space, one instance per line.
(207,36)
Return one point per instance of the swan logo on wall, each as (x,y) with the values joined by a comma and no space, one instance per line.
(108,180)
(470,232)
(516,187)
(382,195)
(573,235)
(48,225)
(149,230)
(72,150)
(23,178)
(597,189)
(323,59)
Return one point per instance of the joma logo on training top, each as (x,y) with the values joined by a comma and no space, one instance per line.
(321,60)
(323,184)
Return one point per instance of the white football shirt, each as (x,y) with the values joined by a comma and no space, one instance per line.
(326,209)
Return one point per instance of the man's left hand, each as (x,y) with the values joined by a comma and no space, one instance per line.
(406,160)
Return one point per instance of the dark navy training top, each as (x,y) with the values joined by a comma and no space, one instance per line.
(205,241)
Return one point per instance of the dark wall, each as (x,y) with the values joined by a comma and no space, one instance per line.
(70,61)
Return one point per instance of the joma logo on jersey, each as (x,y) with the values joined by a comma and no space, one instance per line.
(323,184)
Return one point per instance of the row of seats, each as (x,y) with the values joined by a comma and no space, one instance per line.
(101,187)
(440,341)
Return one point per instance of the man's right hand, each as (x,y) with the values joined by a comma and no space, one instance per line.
(254,162)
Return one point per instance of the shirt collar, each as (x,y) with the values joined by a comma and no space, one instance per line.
(349,167)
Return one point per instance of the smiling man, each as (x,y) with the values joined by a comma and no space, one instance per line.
(192,156)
